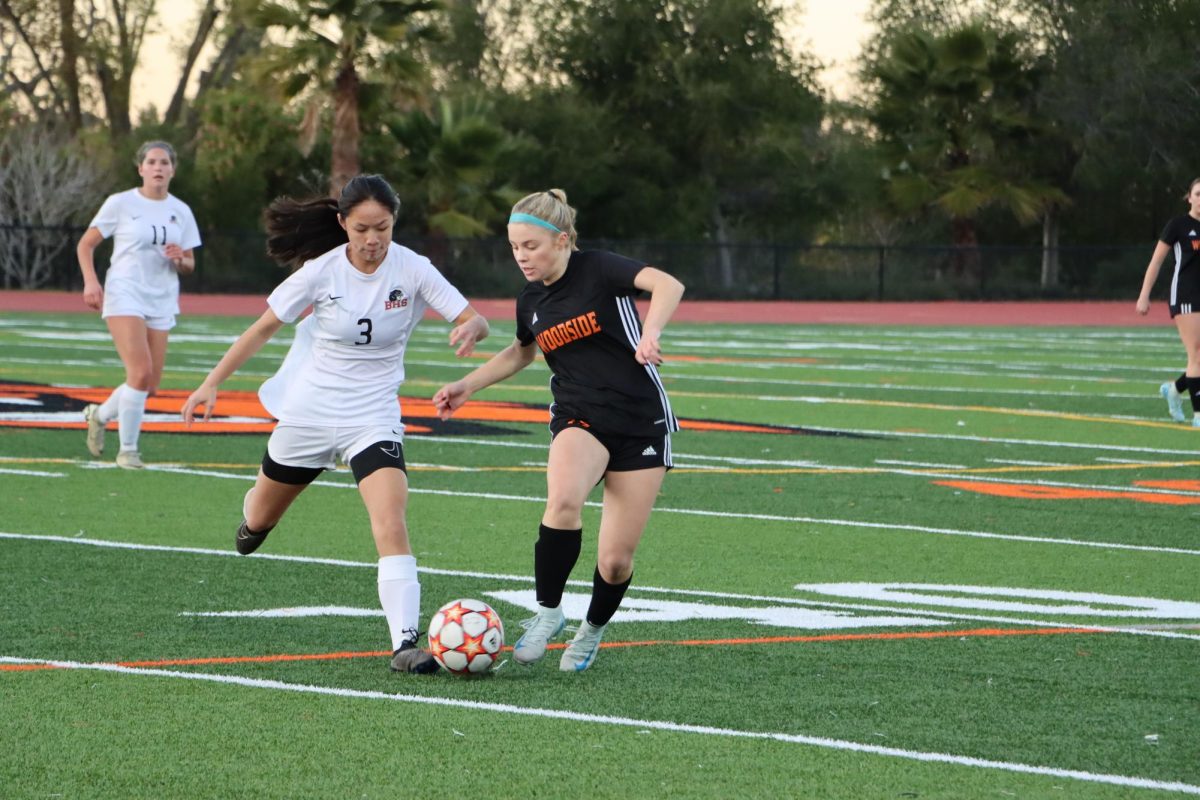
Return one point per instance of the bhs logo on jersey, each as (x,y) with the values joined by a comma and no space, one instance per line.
(396,299)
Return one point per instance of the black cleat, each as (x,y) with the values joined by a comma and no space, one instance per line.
(247,541)
(410,658)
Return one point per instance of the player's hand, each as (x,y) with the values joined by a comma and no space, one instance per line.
(648,350)
(450,398)
(204,396)
(93,294)
(1143,305)
(465,336)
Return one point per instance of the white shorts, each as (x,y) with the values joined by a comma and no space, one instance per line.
(122,298)
(322,448)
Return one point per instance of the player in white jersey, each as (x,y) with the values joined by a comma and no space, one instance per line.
(335,393)
(154,238)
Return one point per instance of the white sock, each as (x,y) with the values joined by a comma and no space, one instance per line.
(108,409)
(400,596)
(130,410)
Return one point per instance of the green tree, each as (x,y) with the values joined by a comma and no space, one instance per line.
(954,113)
(345,54)
(452,166)
(1125,74)
(700,104)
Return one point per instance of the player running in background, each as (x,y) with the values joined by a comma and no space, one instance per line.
(610,419)
(1181,237)
(335,393)
(155,236)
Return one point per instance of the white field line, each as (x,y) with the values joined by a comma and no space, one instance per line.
(746,515)
(699,593)
(32,473)
(1000,440)
(633,722)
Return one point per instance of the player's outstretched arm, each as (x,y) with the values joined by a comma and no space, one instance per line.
(238,353)
(506,363)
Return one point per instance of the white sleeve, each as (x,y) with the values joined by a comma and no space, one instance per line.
(438,292)
(108,216)
(295,294)
(191,232)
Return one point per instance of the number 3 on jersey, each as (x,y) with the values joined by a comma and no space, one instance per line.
(365,333)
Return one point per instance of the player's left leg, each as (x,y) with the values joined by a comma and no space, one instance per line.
(1188,326)
(383,484)
(628,500)
(157,341)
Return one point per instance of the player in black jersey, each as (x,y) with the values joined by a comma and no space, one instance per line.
(610,420)
(1181,237)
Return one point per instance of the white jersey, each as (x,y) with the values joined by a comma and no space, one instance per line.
(142,229)
(347,361)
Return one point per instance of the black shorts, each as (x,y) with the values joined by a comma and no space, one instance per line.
(1184,308)
(625,453)
(378,456)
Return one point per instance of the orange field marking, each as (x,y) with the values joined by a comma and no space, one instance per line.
(831,637)
(419,412)
(1033,491)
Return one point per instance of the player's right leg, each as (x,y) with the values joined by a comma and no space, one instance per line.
(295,456)
(576,463)
(265,503)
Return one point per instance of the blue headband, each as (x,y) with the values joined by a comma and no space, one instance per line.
(532,220)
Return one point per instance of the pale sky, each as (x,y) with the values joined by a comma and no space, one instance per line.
(834,30)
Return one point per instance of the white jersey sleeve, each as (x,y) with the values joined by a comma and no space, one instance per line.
(437,292)
(295,294)
(190,231)
(108,216)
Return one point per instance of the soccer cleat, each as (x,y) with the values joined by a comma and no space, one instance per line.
(1174,401)
(539,630)
(247,541)
(410,658)
(582,650)
(95,429)
(129,459)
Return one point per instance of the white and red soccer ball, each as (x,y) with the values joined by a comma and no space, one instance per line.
(465,636)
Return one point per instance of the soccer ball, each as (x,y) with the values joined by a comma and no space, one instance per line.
(465,636)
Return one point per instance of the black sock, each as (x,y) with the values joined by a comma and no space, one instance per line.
(606,598)
(554,556)
(1181,383)
(1193,385)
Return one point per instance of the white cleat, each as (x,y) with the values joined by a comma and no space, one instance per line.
(1174,401)
(539,630)
(581,652)
(129,459)
(95,429)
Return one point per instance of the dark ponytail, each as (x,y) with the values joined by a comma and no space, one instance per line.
(301,230)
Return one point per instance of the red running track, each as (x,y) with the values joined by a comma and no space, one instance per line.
(1101,314)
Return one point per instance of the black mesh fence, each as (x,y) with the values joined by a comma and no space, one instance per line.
(234,262)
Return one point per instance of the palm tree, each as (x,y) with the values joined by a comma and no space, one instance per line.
(955,120)
(342,52)
(453,165)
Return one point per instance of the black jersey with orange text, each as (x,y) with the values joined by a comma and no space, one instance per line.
(588,328)
(1183,235)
